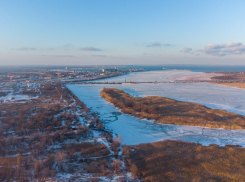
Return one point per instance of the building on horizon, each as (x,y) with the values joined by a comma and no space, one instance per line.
(109,70)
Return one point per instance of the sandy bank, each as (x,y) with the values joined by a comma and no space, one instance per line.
(236,84)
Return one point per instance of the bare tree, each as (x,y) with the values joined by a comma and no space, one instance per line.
(19,159)
(60,158)
(116,165)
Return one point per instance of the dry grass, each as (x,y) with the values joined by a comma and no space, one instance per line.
(169,111)
(235,84)
(11,161)
(183,161)
(89,149)
(230,76)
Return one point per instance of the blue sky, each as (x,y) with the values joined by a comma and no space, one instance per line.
(85,32)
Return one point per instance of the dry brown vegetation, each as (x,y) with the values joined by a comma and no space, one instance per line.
(231,79)
(233,84)
(89,149)
(182,161)
(230,76)
(169,111)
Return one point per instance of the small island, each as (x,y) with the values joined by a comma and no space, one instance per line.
(170,111)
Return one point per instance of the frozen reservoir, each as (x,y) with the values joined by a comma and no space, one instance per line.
(135,131)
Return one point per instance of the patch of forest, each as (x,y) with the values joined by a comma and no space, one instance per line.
(183,161)
(170,111)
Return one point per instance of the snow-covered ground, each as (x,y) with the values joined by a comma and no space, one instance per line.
(15,98)
(135,131)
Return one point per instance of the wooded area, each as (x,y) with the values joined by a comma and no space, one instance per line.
(52,135)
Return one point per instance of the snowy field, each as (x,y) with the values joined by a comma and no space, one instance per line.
(16,98)
(135,131)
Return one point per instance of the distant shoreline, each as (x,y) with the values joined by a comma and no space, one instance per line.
(235,84)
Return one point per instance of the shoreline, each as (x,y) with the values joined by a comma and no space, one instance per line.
(240,85)
(93,79)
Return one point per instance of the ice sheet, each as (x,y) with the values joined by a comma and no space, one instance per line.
(165,75)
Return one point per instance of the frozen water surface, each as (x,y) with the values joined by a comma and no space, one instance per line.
(135,131)
(166,75)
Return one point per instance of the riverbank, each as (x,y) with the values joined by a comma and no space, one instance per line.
(234,84)
(170,111)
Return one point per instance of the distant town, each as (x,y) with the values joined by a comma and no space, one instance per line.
(25,79)
(22,79)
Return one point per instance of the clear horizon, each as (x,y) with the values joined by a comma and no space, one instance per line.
(127,32)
